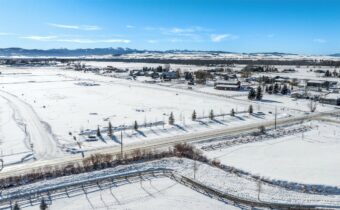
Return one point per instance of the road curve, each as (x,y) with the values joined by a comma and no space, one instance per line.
(44,145)
(157,143)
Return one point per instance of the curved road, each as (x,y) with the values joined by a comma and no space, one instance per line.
(155,144)
(44,145)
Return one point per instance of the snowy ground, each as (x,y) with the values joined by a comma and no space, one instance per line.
(241,186)
(133,66)
(54,105)
(309,157)
(287,103)
(64,103)
(158,193)
(305,72)
(13,142)
(301,72)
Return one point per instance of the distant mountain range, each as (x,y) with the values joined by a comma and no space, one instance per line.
(112,51)
(65,52)
(87,52)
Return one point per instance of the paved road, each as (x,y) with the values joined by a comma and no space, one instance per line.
(157,143)
(37,133)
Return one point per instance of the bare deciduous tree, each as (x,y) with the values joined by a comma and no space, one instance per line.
(312,105)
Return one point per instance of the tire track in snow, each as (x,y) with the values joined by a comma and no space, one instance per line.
(44,144)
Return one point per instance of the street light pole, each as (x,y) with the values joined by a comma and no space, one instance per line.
(275,115)
(121,144)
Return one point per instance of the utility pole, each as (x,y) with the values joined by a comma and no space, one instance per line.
(275,115)
(121,144)
(195,169)
(259,187)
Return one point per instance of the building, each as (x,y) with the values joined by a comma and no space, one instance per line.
(281,80)
(318,84)
(169,75)
(227,85)
(304,94)
(331,98)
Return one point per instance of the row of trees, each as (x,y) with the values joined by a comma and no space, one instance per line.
(212,115)
(171,120)
(332,74)
(255,94)
(110,129)
(270,89)
(276,89)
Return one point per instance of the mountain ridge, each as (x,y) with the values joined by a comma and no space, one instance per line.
(65,52)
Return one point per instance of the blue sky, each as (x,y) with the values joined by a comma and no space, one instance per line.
(295,26)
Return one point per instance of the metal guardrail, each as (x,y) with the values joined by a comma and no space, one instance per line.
(7,200)
(238,201)
(30,197)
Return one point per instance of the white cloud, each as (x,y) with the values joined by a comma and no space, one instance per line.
(319,40)
(76,27)
(40,38)
(5,34)
(94,41)
(153,41)
(130,26)
(221,37)
(177,30)
(75,40)
(182,30)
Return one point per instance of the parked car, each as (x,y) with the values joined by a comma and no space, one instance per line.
(92,138)
(73,150)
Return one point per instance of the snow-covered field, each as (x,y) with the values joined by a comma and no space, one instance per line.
(13,143)
(287,104)
(65,103)
(133,66)
(46,111)
(242,186)
(159,193)
(310,157)
(304,72)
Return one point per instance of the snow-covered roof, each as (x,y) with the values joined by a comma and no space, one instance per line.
(316,81)
(227,86)
(332,96)
(227,82)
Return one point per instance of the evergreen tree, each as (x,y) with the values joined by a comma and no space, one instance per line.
(99,134)
(251,94)
(232,113)
(276,88)
(267,89)
(284,90)
(259,94)
(16,206)
(335,73)
(193,116)
(135,126)
(270,89)
(110,131)
(43,205)
(171,119)
(211,115)
(250,110)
